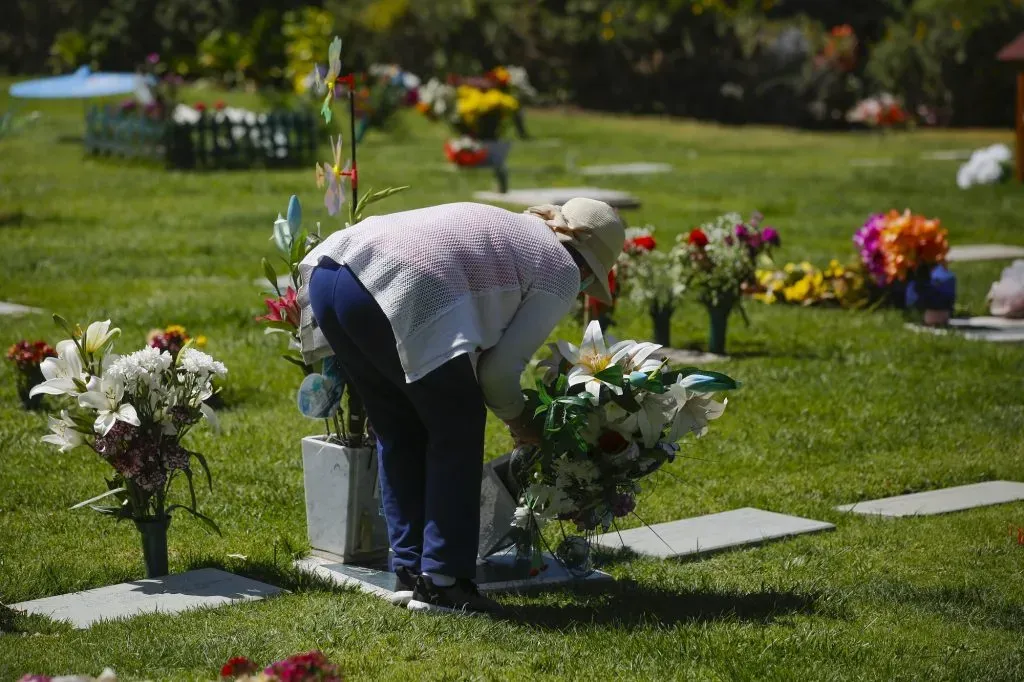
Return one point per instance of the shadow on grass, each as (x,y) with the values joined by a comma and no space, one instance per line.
(630,604)
(278,573)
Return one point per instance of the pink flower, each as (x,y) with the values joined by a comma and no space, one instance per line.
(283,309)
(771,235)
(309,667)
(153,58)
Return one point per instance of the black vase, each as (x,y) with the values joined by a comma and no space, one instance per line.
(154,545)
(661,316)
(26,382)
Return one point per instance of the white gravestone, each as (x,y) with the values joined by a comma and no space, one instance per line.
(206,587)
(711,533)
(558,196)
(16,309)
(628,169)
(941,501)
(977,252)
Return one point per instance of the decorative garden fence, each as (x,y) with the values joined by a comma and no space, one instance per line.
(216,140)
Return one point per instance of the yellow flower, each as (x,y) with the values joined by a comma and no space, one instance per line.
(607,33)
(175,329)
(200,341)
(799,291)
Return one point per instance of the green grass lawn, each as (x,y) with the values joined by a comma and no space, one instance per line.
(836,407)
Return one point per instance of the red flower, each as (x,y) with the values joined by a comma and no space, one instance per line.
(308,667)
(27,355)
(612,442)
(641,243)
(283,309)
(219,105)
(698,238)
(200,106)
(238,666)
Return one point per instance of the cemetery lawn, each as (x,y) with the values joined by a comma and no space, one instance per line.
(836,407)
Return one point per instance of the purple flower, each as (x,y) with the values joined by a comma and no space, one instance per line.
(771,235)
(623,505)
(153,58)
(742,232)
(869,242)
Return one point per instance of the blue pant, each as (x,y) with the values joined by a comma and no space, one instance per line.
(430,433)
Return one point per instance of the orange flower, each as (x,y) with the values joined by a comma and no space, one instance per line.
(909,240)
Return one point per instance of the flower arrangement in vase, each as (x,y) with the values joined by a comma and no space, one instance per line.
(905,255)
(135,412)
(610,417)
(28,357)
(651,279)
(718,261)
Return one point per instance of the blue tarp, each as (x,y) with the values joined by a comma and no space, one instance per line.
(81,84)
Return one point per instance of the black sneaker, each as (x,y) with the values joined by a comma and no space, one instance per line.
(405,583)
(462,597)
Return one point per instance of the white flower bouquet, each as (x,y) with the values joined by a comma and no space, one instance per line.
(987,166)
(134,411)
(652,279)
(611,417)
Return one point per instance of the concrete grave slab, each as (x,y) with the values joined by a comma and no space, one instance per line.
(978,252)
(947,155)
(872,163)
(685,358)
(701,535)
(992,335)
(203,588)
(558,196)
(986,322)
(499,573)
(641,168)
(16,309)
(941,501)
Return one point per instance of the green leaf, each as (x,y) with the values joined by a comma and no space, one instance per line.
(202,517)
(611,375)
(63,324)
(206,468)
(271,275)
(99,497)
(280,325)
(374,197)
(191,487)
(298,246)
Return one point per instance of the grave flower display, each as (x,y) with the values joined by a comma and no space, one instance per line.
(311,666)
(1006,297)
(883,111)
(651,279)
(805,285)
(28,357)
(611,417)
(987,166)
(478,110)
(134,411)
(718,262)
(905,254)
(339,467)
(173,338)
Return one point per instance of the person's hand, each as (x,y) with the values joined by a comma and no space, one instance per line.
(524,431)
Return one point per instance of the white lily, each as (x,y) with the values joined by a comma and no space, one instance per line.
(591,358)
(694,410)
(99,336)
(639,358)
(61,372)
(109,408)
(655,411)
(65,436)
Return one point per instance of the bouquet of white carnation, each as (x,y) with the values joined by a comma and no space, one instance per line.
(134,411)
(611,416)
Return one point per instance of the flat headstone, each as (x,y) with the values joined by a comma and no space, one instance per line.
(947,155)
(682,357)
(986,322)
(871,163)
(16,309)
(558,196)
(498,573)
(941,501)
(976,252)
(641,168)
(711,533)
(283,282)
(202,588)
(992,335)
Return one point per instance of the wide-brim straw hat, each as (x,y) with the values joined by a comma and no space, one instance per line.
(594,230)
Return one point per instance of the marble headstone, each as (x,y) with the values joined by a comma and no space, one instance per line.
(205,587)
(711,533)
(941,501)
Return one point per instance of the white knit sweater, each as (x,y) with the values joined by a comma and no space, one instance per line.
(454,279)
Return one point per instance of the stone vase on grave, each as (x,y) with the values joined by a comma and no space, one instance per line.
(718,316)
(153,534)
(661,317)
(343,509)
(26,382)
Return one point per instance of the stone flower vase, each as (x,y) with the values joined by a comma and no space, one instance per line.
(153,533)
(343,519)
(26,382)
(661,316)
(718,314)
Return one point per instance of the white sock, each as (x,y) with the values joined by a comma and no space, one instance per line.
(440,580)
